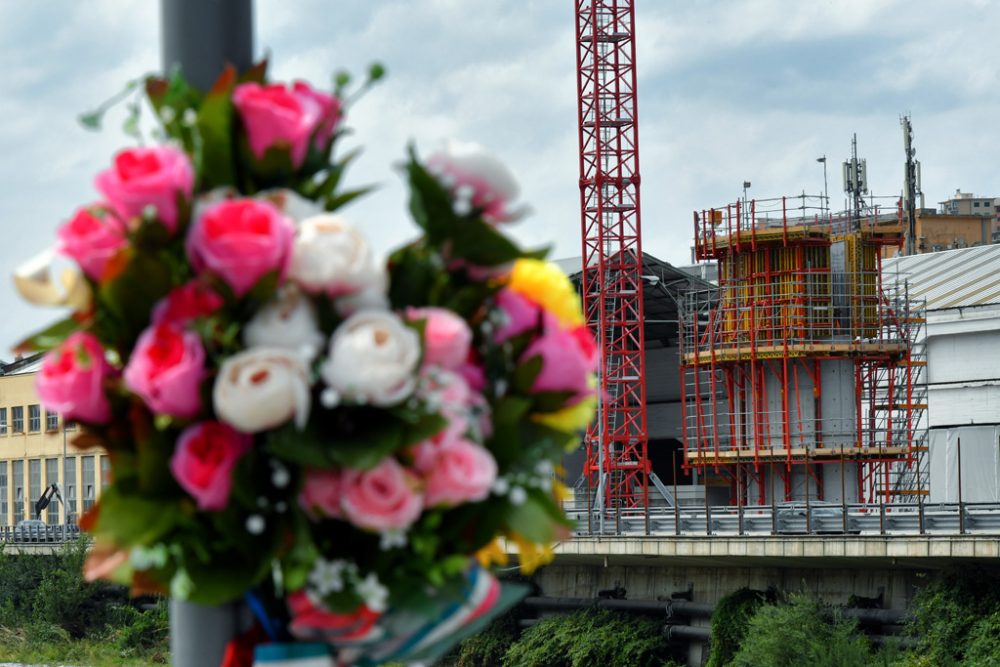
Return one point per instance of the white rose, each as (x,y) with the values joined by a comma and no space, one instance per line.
(477,179)
(292,204)
(370,297)
(330,256)
(262,388)
(373,359)
(288,322)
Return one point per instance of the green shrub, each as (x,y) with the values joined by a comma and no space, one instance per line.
(729,624)
(798,633)
(945,611)
(141,631)
(590,637)
(486,649)
(983,646)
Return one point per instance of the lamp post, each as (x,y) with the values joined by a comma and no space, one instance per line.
(746,211)
(826,198)
(201,37)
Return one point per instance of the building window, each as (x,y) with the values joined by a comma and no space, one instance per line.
(105,472)
(18,484)
(51,421)
(17,419)
(34,484)
(52,477)
(69,425)
(35,418)
(88,482)
(3,421)
(69,488)
(3,493)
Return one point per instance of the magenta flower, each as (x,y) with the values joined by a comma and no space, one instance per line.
(71,380)
(143,177)
(166,369)
(204,459)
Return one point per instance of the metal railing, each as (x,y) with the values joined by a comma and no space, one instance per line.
(797,518)
(36,533)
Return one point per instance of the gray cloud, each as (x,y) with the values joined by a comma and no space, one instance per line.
(729,91)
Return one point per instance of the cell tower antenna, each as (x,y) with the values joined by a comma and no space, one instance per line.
(911,184)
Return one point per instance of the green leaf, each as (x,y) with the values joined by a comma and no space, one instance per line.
(481,244)
(133,518)
(415,275)
(215,125)
(90,120)
(49,337)
(302,447)
(257,73)
(531,520)
(525,374)
(224,579)
(342,199)
(550,401)
(430,204)
(366,449)
(132,294)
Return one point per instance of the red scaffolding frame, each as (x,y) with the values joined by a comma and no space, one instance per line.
(798,291)
(617,465)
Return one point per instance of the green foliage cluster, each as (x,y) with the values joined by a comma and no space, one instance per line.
(488,648)
(47,607)
(582,639)
(799,633)
(956,619)
(729,624)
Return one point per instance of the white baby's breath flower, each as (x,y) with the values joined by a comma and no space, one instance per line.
(373,359)
(261,388)
(375,595)
(327,576)
(390,539)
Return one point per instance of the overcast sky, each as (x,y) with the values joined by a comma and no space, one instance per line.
(728,91)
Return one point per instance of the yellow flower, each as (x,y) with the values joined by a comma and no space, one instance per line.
(531,555)
(572,419)
(492,553)
(546,285)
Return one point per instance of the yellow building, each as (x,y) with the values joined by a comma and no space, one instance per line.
(36,450)
(944,231)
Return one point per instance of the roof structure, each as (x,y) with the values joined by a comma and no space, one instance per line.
(663,284)
(950,278)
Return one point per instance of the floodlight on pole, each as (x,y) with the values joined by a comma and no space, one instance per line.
(826,194)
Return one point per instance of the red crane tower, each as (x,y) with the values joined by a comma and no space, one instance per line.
(617,466)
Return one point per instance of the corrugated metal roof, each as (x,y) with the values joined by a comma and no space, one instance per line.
(950,278)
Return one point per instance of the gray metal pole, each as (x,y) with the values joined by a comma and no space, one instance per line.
(202,36)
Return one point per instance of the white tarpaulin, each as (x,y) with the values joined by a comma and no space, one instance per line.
(980,464)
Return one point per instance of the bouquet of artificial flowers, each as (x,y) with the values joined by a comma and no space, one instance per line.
(342,441)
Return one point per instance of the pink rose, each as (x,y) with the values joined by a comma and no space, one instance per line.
(204,459)
(311,620)
(71,380)
(241,240)
(569,357)
(473,374)
(92,237)
(383,498)
(519,315)
(186,303)
(477,180)
(321,493)
(143,177)
(277,117)
(446,336)
(166,369)
(330,112)
(462,472)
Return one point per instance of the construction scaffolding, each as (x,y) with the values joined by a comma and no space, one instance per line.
(803,373)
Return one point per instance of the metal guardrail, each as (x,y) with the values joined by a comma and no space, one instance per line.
(799,518)
(38,534)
